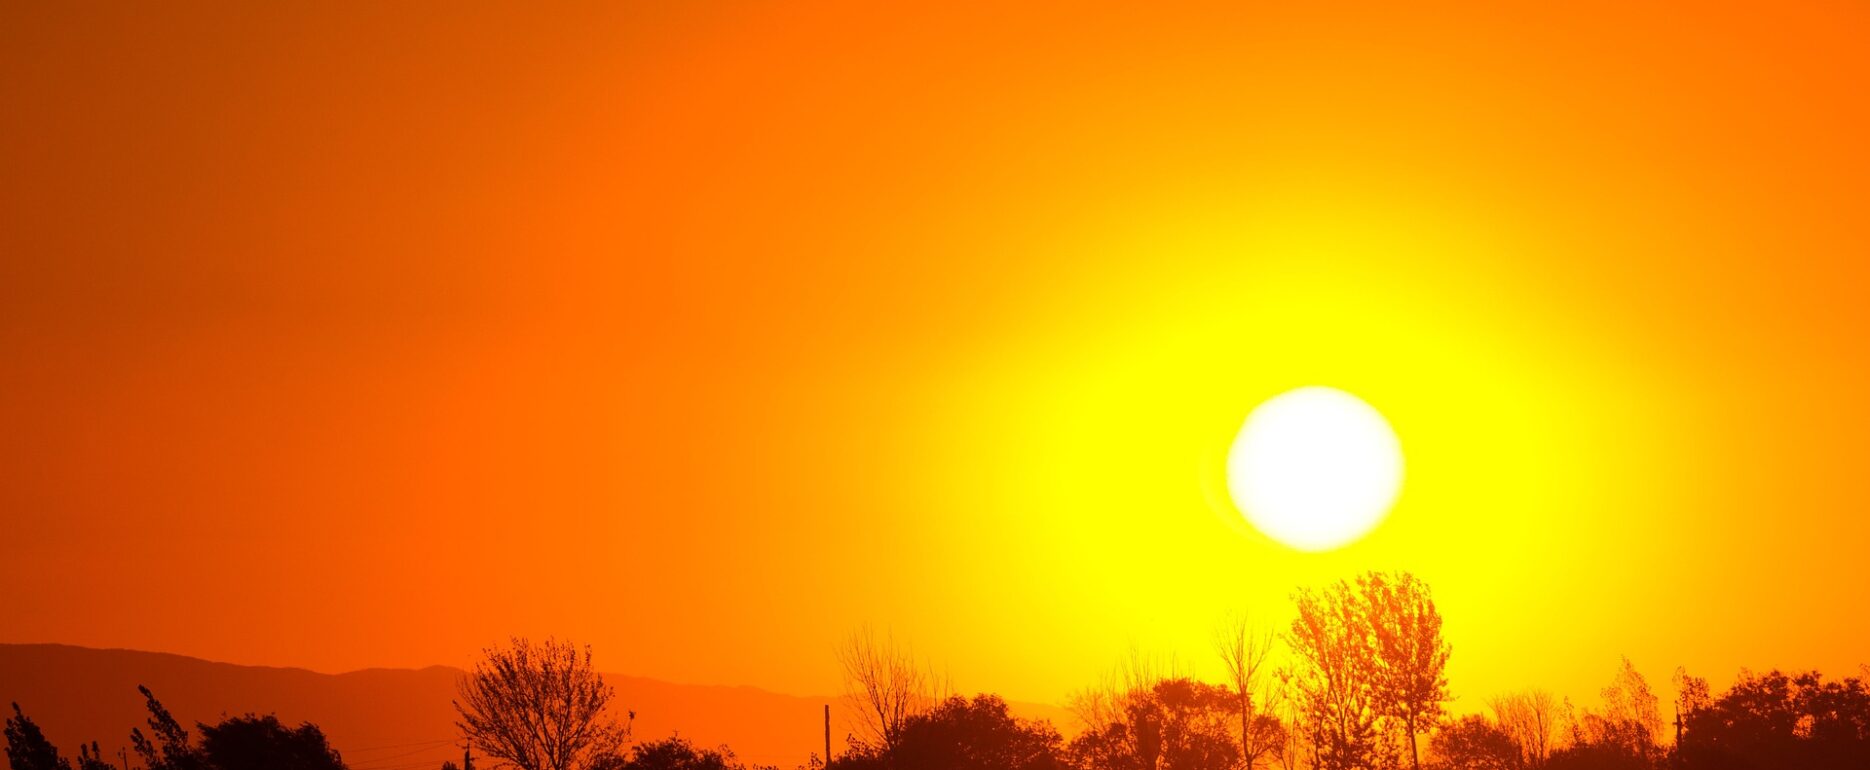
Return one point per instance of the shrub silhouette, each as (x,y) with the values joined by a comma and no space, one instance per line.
(262,743)
(963,734)
(678,754)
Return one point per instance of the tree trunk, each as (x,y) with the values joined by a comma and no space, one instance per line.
(1246,716)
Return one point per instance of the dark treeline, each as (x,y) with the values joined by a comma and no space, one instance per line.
(1358,684)
(247,742)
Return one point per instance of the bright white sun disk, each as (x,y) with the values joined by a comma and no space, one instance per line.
(1315,468)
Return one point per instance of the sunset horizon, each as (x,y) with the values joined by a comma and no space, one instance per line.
(1475,350)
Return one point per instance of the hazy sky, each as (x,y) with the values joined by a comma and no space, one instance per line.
(337,336)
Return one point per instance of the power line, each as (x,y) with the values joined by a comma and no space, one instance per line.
(400,745)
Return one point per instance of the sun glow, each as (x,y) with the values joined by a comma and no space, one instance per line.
(1315,468)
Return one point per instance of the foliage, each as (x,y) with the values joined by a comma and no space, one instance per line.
(1176,724)
(1411,680)
(92,758)
(27,747)
(678,754)
(963,734)
(166,747)
(1370,672)
(262,743)
(1624,733)
(1474,742)
(1333,678)
(1778,719)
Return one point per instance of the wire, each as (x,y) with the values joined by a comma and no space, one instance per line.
(401,745)
(371,763)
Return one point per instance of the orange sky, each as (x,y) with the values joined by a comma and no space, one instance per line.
(344,336)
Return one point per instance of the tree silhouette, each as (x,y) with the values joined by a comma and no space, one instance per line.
(167,746)
(1177,724)
(262,743)
(27,747)
(1532,720)
(92,758)
(885,686)
(963,734)
(1334,677)
(678,754)
(1778,719)
(1474,743)
(1244,651)
(1625,732)
(540,707)
(1411,681)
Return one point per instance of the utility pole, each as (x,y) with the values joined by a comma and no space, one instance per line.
(827,735)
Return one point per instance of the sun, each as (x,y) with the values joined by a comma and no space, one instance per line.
(1315,468)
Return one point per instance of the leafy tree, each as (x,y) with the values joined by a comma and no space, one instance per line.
(678,754)
(540,707)
(1626,730)
(963,734)
(27,747)
(167,746)
(1177,724)
(1411,679)
(1334,679)
(1620,736)
(262,743)
(1781,720)
(1473,743)
(92,758)
(1629,701)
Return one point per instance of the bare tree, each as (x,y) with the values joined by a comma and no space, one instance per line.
(1136,674)
(540,707)
(1533,719)
(885,685)
(1244,649)
(1292,747)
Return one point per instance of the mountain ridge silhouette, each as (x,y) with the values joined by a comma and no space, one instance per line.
(386,718)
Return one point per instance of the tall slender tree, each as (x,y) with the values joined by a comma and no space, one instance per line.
(1411,658)
(1334,677)
(1244,651)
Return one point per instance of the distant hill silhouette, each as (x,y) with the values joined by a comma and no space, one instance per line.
(385,719)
